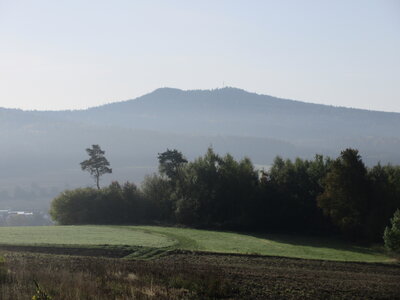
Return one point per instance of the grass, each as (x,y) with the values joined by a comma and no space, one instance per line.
(158,238)
(81,235)
(273,245)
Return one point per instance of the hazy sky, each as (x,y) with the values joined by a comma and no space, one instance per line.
(77,53)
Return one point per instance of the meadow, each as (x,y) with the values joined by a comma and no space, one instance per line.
(143,241)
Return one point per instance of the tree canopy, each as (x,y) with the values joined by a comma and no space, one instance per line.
(345,198)
(317,196)
(97,165)
(170,161)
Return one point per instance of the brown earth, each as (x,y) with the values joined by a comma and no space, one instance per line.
(62,250)
(193,275)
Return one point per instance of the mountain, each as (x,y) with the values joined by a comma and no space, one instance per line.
(43,148)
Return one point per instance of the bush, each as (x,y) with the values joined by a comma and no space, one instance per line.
(76,206)
(114,204)
(392,234)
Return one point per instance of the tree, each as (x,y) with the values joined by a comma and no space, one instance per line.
(346,197)
(291,192)
(97,165)
(384,200)
(216,191)
(392,234)
(158,192)
(170,162)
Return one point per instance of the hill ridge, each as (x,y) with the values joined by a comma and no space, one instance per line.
(176,92)
(168,91)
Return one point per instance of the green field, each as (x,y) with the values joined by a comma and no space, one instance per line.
(82,235)
(169,238)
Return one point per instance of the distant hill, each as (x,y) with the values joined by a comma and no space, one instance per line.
(44,149)
(237,112)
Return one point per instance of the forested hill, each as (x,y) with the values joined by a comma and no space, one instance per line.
(45,148)
(231,111)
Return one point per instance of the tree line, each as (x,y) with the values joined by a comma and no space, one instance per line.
(317,196)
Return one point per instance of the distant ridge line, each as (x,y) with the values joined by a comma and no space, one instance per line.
(169,91)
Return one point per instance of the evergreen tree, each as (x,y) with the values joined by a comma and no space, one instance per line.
(170,162)
(97,165)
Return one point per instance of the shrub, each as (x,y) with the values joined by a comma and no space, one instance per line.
(114,204)
(77,206)
(392,234)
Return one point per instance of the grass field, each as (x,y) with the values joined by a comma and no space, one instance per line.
(169,238)
(82,235)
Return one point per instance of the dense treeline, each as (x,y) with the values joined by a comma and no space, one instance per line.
(114,204)
(313,196)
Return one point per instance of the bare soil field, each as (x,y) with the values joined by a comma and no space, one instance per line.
(191,275)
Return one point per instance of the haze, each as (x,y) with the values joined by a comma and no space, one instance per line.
(76,54)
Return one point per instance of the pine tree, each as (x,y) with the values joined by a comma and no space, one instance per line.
(97,165)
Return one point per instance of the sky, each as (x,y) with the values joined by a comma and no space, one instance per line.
(79,53)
